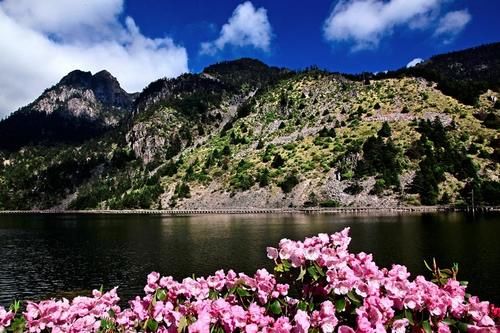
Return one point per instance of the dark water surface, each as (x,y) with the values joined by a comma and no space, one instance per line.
(51,255)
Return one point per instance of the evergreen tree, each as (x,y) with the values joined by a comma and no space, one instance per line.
(278,161)
(385,131)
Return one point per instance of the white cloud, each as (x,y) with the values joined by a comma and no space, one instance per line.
(365,22)
(247,26)
(452,24)
(41,41)
(414,62)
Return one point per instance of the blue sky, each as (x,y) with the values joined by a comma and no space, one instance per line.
(298,39)
(139,41)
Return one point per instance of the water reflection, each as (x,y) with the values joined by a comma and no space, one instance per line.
(43,254)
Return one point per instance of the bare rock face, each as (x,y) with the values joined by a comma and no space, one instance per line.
(145,142)
(80,107)
(98,97)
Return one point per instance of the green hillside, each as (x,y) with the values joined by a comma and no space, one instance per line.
(242,134)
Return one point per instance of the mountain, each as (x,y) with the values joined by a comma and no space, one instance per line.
(464,74)
(245,72)
(79,107)
(244,134)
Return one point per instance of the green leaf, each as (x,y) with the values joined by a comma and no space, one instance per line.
(216,329)
(311,306)
(428,267)
(462,327)
(353,297)
(313,273)
(399,316)
(213,294)
(14,307)
(409,316)
(301,274)
(232,290)
(183,324)
(242,292)
(302,305)
(340,305)
(18,325)
(283,267)
(152,325)
(426,326)
(449,321)
(319,269)
(161,294)
(275,307)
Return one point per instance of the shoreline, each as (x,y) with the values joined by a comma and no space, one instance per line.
(247,211)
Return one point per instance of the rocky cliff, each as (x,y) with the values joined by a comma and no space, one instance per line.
(79,107)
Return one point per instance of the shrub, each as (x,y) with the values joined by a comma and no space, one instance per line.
(327,133)
(243,110)
(263,177)
(268,153)
(385,131)
(380,159)
(354,188)
(379,187)
(168,169)
(329,203)
(226,151)
(289,183)
(312,200)
(490,192)
(242,181)
(182,190)
(278,161)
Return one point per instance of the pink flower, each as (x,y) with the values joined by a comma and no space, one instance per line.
(443,328)
(328,321)
(201,325)
(345,329)
(399,326)
(272,253)
(282,325)
(5,318)
(243,303)
(252,328)
(478,329)
(302,322)
(312,253)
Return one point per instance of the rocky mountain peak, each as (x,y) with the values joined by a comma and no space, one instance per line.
(77,78)
(104,86)
(81,106)
(108,90)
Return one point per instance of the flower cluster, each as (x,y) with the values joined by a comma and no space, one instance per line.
(317,286)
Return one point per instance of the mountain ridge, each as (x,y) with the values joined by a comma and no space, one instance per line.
(244,134)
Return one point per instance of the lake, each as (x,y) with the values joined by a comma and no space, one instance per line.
(52,255)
